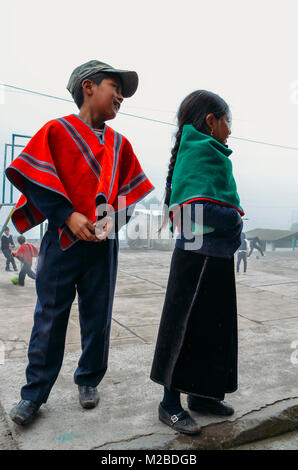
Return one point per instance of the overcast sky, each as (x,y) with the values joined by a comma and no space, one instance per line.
(244,51)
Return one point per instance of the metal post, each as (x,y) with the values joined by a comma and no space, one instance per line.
(12,145)
(7,220)
(293,242)
(12,157)
(4,168)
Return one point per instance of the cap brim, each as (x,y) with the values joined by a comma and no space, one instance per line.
(130,81)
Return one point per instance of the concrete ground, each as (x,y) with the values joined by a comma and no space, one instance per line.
(266,401)
(287,441)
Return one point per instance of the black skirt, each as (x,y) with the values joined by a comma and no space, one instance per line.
(197,344)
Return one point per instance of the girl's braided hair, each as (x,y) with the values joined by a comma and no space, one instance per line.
(193,110)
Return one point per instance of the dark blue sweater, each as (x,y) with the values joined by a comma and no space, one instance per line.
(53,206)
(5,242)
(226,238)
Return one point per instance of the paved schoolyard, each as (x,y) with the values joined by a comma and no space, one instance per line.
(126,417)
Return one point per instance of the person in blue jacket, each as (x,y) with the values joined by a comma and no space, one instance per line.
(6,245)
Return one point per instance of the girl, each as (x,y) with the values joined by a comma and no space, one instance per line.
(196,350)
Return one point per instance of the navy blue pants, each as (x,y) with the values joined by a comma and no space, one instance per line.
(242,256)
(90,269)
(25,270)
(9,259)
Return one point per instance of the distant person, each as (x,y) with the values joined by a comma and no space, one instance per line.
(7,245)
(256,243)
(242,253)
(25,254)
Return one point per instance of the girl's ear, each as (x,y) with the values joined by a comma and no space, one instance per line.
(210,121)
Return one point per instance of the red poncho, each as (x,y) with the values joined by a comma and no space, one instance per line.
(26,252)
(67,157)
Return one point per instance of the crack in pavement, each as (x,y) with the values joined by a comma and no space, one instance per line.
(266,406)
(210,425)
(128,329)
(255,321)
(279,319)
(131,439)
(271,284)
(141,294)
(142,278)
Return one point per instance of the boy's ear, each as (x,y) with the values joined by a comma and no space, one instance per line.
(87,86)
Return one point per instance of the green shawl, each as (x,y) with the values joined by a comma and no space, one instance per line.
(203,171)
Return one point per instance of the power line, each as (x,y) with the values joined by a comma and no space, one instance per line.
(144,117)
(36,92)
(247,204)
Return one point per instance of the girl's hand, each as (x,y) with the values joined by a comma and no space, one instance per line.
(81,227)
(103,227)
(239,218)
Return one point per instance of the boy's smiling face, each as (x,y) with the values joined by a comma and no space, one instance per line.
(104,99)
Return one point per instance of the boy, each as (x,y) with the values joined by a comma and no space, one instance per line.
(6,245)
(73,172)
(25,253)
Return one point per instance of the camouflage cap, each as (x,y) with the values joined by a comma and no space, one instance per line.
(129,78)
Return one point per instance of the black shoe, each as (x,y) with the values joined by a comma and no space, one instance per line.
(181,422)
(216,407)
(89,396)
(7,269)
(24,411)
(15,269)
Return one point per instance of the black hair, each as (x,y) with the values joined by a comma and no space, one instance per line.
(97,78)
(193,110)
(21,239)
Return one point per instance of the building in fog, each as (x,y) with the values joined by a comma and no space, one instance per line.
(273,239)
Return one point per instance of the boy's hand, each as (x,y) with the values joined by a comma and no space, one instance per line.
(81,227)
(103,227)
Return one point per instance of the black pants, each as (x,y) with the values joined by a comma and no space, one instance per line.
(242,256)
(9,259)
(25,270)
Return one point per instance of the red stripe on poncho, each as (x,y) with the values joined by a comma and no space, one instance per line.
(67,157)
